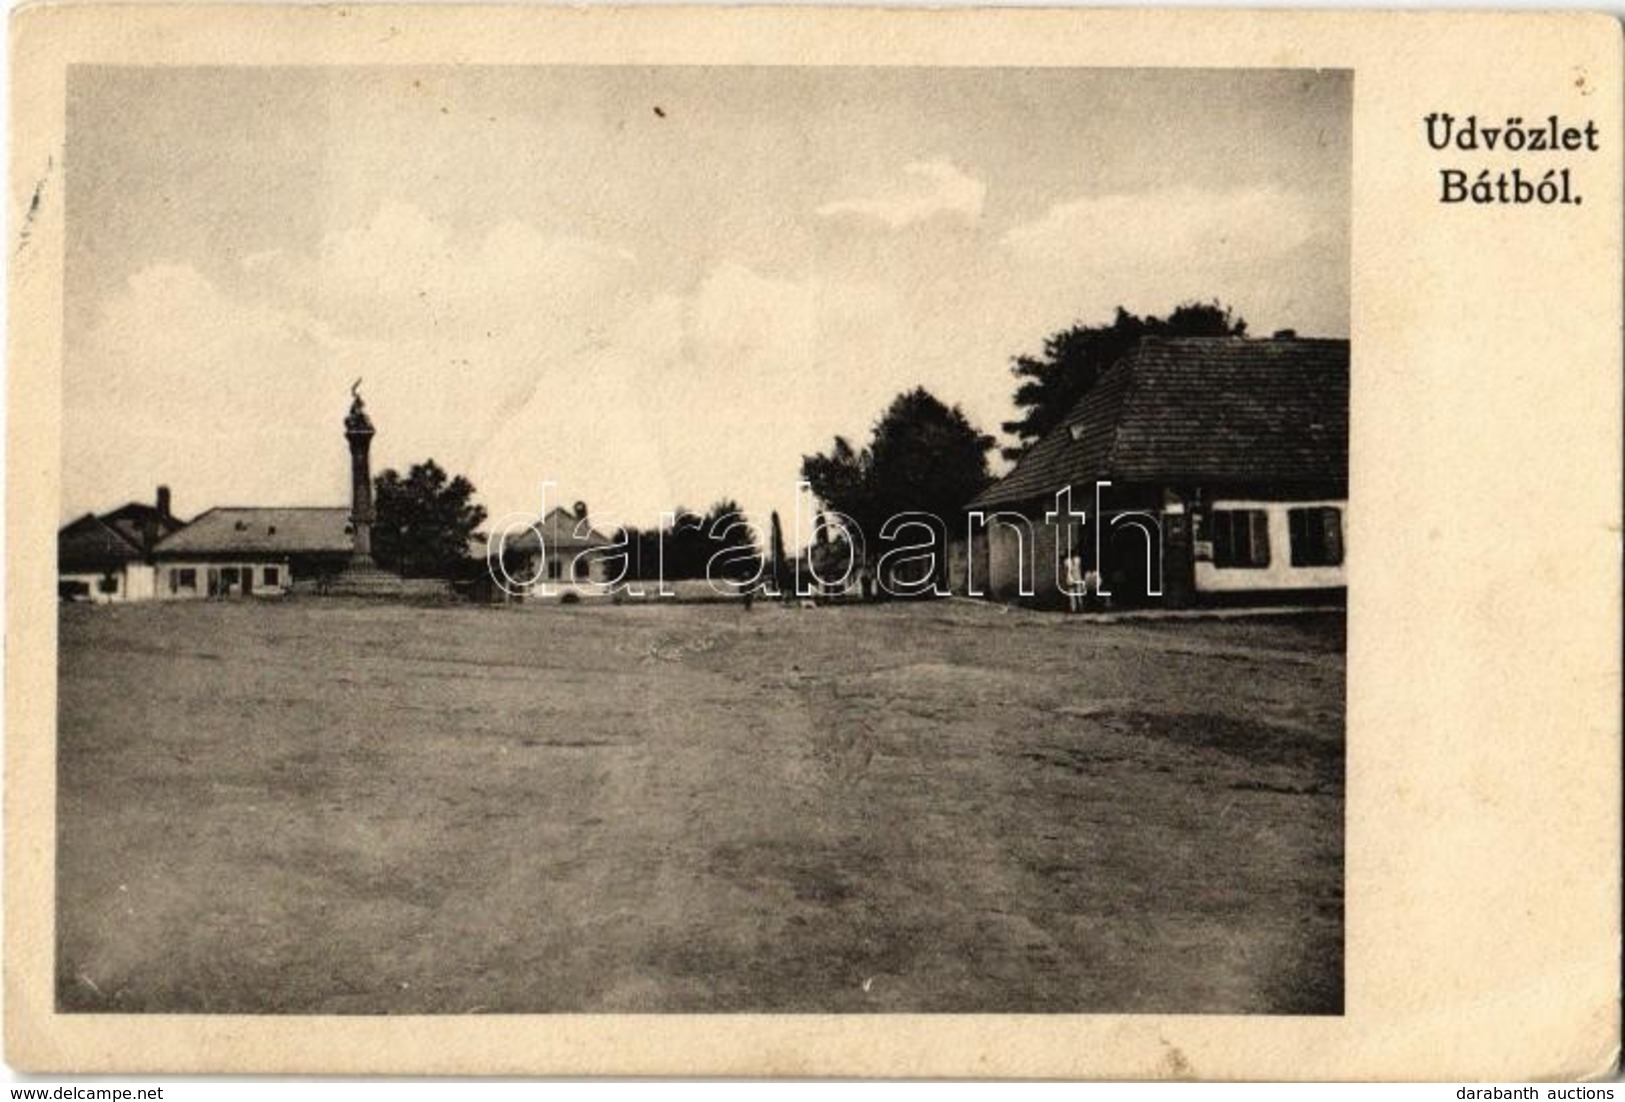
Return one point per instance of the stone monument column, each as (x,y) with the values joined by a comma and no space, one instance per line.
(359,432)
(361,576)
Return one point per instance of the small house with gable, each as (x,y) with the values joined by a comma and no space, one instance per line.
(1207,469)
(558,550)
(109,558)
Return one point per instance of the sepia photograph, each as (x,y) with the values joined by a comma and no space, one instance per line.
(703,539)
(911,546)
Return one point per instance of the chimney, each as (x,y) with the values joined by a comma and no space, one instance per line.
(163,502)
(581,510)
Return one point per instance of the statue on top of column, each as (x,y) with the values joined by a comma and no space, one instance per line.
(357,419)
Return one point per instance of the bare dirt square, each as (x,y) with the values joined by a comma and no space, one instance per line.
(332,807)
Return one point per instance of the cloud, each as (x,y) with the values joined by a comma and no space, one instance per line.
(1278,257)
(402,267)
(179,382)
(737,315)
(455,332)
(689,396)
(508,354)
(457,329)
(932,188)
(1177,224)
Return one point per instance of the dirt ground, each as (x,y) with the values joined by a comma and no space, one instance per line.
(332,807)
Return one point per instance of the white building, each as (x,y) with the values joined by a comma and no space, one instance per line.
(236,551)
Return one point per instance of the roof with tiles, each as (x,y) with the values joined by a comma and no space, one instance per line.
(1199,409)
(263,531)
(141,523)
(562,530)
(90,545)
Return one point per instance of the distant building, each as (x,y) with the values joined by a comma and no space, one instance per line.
(109,558)
(556,550)
(1227,459)
(245,552)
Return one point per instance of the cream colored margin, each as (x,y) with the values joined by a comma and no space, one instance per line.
(1484,642)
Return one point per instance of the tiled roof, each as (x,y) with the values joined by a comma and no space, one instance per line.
(1209,409)
(89,545)
(273,531)
(559,529)
(132,521)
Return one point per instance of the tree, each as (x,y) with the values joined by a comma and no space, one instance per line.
(423,521)
(924,457)
(726,529)
(844,481)
(1074,359)
(681,545)
(776,554)
(684,548)
(644,545)
(927,458)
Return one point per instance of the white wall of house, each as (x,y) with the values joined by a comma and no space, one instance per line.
(141,581)
(131,582)
(568,568)
(1278,573)
(181,580)
(1019,561)
(1011,555)
(89,586)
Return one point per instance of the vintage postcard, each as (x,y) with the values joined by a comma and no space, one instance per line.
(801,541)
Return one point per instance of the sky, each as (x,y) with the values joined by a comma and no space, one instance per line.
(649,287)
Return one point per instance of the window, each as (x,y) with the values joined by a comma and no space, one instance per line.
(273,576)
(184,578)
(554,568)
(1317,536)
(1241,538)
(228,575)
(108,584)
(578,566)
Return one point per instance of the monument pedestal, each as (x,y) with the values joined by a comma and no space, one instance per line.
(363,578)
